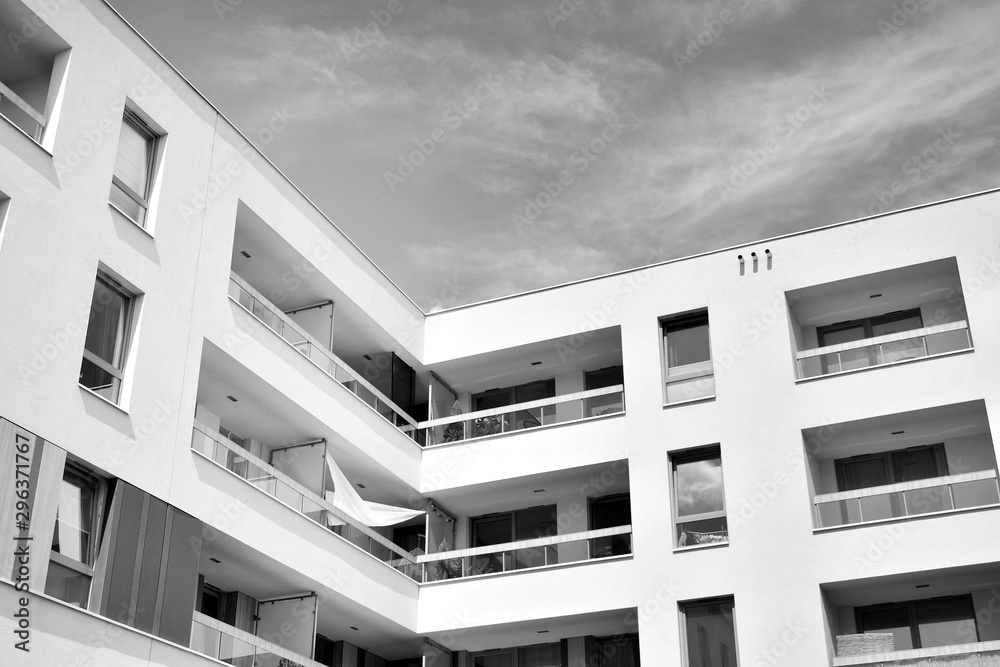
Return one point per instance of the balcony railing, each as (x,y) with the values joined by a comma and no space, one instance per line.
(8,96)
(527,415)
(233,646)
(979,654)
(885,349)
(254,303)
(892,501)
(226,454)
(523,555)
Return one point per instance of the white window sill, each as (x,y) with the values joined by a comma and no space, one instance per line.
(98,396)
(130,219)
(689,401)
(698,547)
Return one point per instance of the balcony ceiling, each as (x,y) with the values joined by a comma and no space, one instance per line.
(850,299)
(290,280)
(513,366)
(921,427)
(569,484)
(903,587)
(32,58)
(526,633)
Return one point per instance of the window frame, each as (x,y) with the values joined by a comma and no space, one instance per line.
(911,607)
(153,139)
(683,608)
(688,456)
(82,477)
(940,456)
(678,374)
(123,337)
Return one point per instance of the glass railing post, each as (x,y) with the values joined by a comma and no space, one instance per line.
(906,510)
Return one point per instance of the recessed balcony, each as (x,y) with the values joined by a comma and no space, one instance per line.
(881,319)
(916,619)
(227,453)
(253,302)
(33,61)
(573,516)
(517,389)
(903,466)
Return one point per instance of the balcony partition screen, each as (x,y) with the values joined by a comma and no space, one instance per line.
(132,565)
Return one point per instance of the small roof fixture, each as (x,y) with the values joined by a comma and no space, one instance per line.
(361,486)
(215,560)
(536,363)
(352,627)
(897,433)
(245,254)
(232,398)
(874,296)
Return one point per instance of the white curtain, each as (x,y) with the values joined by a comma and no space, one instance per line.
(347,500)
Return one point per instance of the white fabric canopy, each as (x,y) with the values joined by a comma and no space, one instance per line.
(347,500)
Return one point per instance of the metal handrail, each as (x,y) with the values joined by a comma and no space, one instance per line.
(307,338)
(257,642)
(323,503)
(517,407)
(885,338)
(526,544)
(905,486)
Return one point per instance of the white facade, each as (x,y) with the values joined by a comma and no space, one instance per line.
(203,352)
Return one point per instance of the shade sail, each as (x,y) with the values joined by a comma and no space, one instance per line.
(347,500)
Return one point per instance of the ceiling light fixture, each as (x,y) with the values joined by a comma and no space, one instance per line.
(245,254)
(215,560)
(232,398)
(897,433)
(536,363)
(874,296)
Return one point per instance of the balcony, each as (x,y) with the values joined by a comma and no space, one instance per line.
(576,406)
(523,555)
(241,293)
(916,619)
(908,465)
(232,646)
(226,454)
(515,389)
(893,317)
(33,63)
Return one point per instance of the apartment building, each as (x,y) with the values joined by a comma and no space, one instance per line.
(226,436)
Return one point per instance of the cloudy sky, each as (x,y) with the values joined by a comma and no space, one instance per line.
(490,147)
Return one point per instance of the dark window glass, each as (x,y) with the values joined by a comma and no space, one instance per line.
(710,632)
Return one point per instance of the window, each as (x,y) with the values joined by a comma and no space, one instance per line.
(106,347)
(709,633)
(922,623)
(610,512)
(903,465)
(687,358)
(504,527)
(521,419)
(76,536)
(609,403)
(133,177)
(699,498)
(870,327)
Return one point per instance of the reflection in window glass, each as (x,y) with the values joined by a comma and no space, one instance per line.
(699,498)
(710,633)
